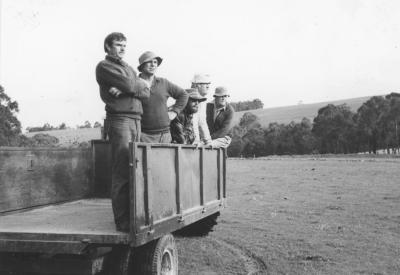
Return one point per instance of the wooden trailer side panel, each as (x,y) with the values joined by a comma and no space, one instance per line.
(173,186)
(33,177)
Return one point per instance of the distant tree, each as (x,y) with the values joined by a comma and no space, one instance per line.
(247,137)
(390,123)
(87,124)
(370,117)
(253,142)
(43,140)
(249,120)
(97,125)
(45,127)
(273,135)
(292,138)
(304,140)
(10,127)
(334,127)
(247,105)
(62,126)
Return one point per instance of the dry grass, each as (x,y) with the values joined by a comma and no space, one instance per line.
(71,137)
(304,216)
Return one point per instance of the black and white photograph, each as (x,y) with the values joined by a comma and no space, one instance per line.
(188,137)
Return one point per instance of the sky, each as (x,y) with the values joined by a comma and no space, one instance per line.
(283,52)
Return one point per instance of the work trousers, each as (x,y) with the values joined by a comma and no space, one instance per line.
(121,131)
(156,138)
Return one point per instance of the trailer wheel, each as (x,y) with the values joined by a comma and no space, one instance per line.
(118,262)
(159,257)
(199,228)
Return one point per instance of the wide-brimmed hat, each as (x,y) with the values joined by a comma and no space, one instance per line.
(146,57)
(221,91)
(201,78)
(194,94)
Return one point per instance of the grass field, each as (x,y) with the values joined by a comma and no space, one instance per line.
(304,216)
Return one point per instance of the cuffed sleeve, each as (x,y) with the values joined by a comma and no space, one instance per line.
(108,75)
(204,132)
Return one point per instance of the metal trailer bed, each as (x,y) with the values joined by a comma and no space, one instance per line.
(54,204)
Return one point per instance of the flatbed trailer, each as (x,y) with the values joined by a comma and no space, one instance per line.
(56,215)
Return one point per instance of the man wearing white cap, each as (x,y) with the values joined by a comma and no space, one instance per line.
(219,118)
(156,115)
(202,83)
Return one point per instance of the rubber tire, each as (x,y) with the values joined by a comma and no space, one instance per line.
(154,257)
(199,228)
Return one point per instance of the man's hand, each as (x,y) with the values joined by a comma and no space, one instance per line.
(114,92)
(198,144)
(171,115)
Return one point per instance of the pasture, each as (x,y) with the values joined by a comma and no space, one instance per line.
(305,215)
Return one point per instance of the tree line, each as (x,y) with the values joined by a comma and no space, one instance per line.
(335,129)
(62,126)
(247,105)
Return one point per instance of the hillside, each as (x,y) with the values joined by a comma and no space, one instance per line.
(72,137)
(284,115)
(296,113)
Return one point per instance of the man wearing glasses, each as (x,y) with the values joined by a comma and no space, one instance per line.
(201,82)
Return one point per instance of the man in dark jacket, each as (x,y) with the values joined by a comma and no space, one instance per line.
(219,114)
(182,130)
(122,91)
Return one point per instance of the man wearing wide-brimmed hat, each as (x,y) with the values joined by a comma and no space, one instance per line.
(219,117)
(202,83)
(156,115)
(182,126)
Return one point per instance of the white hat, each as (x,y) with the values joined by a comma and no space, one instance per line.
(201,78)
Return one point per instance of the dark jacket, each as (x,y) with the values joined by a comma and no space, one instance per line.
(223,122)
(113,72)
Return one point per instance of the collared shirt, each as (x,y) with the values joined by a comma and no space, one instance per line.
(201,131)
(218,111)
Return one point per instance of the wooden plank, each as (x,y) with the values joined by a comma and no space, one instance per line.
(50,265)
(89,221)
(179,177)
(224,172)
(174,223)
(211,174)
(33,177)
(49,247)
(219,180)
(202,176)
(148,186)
(102,168)
(132,188)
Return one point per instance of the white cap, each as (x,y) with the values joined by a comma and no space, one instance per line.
(201,78)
